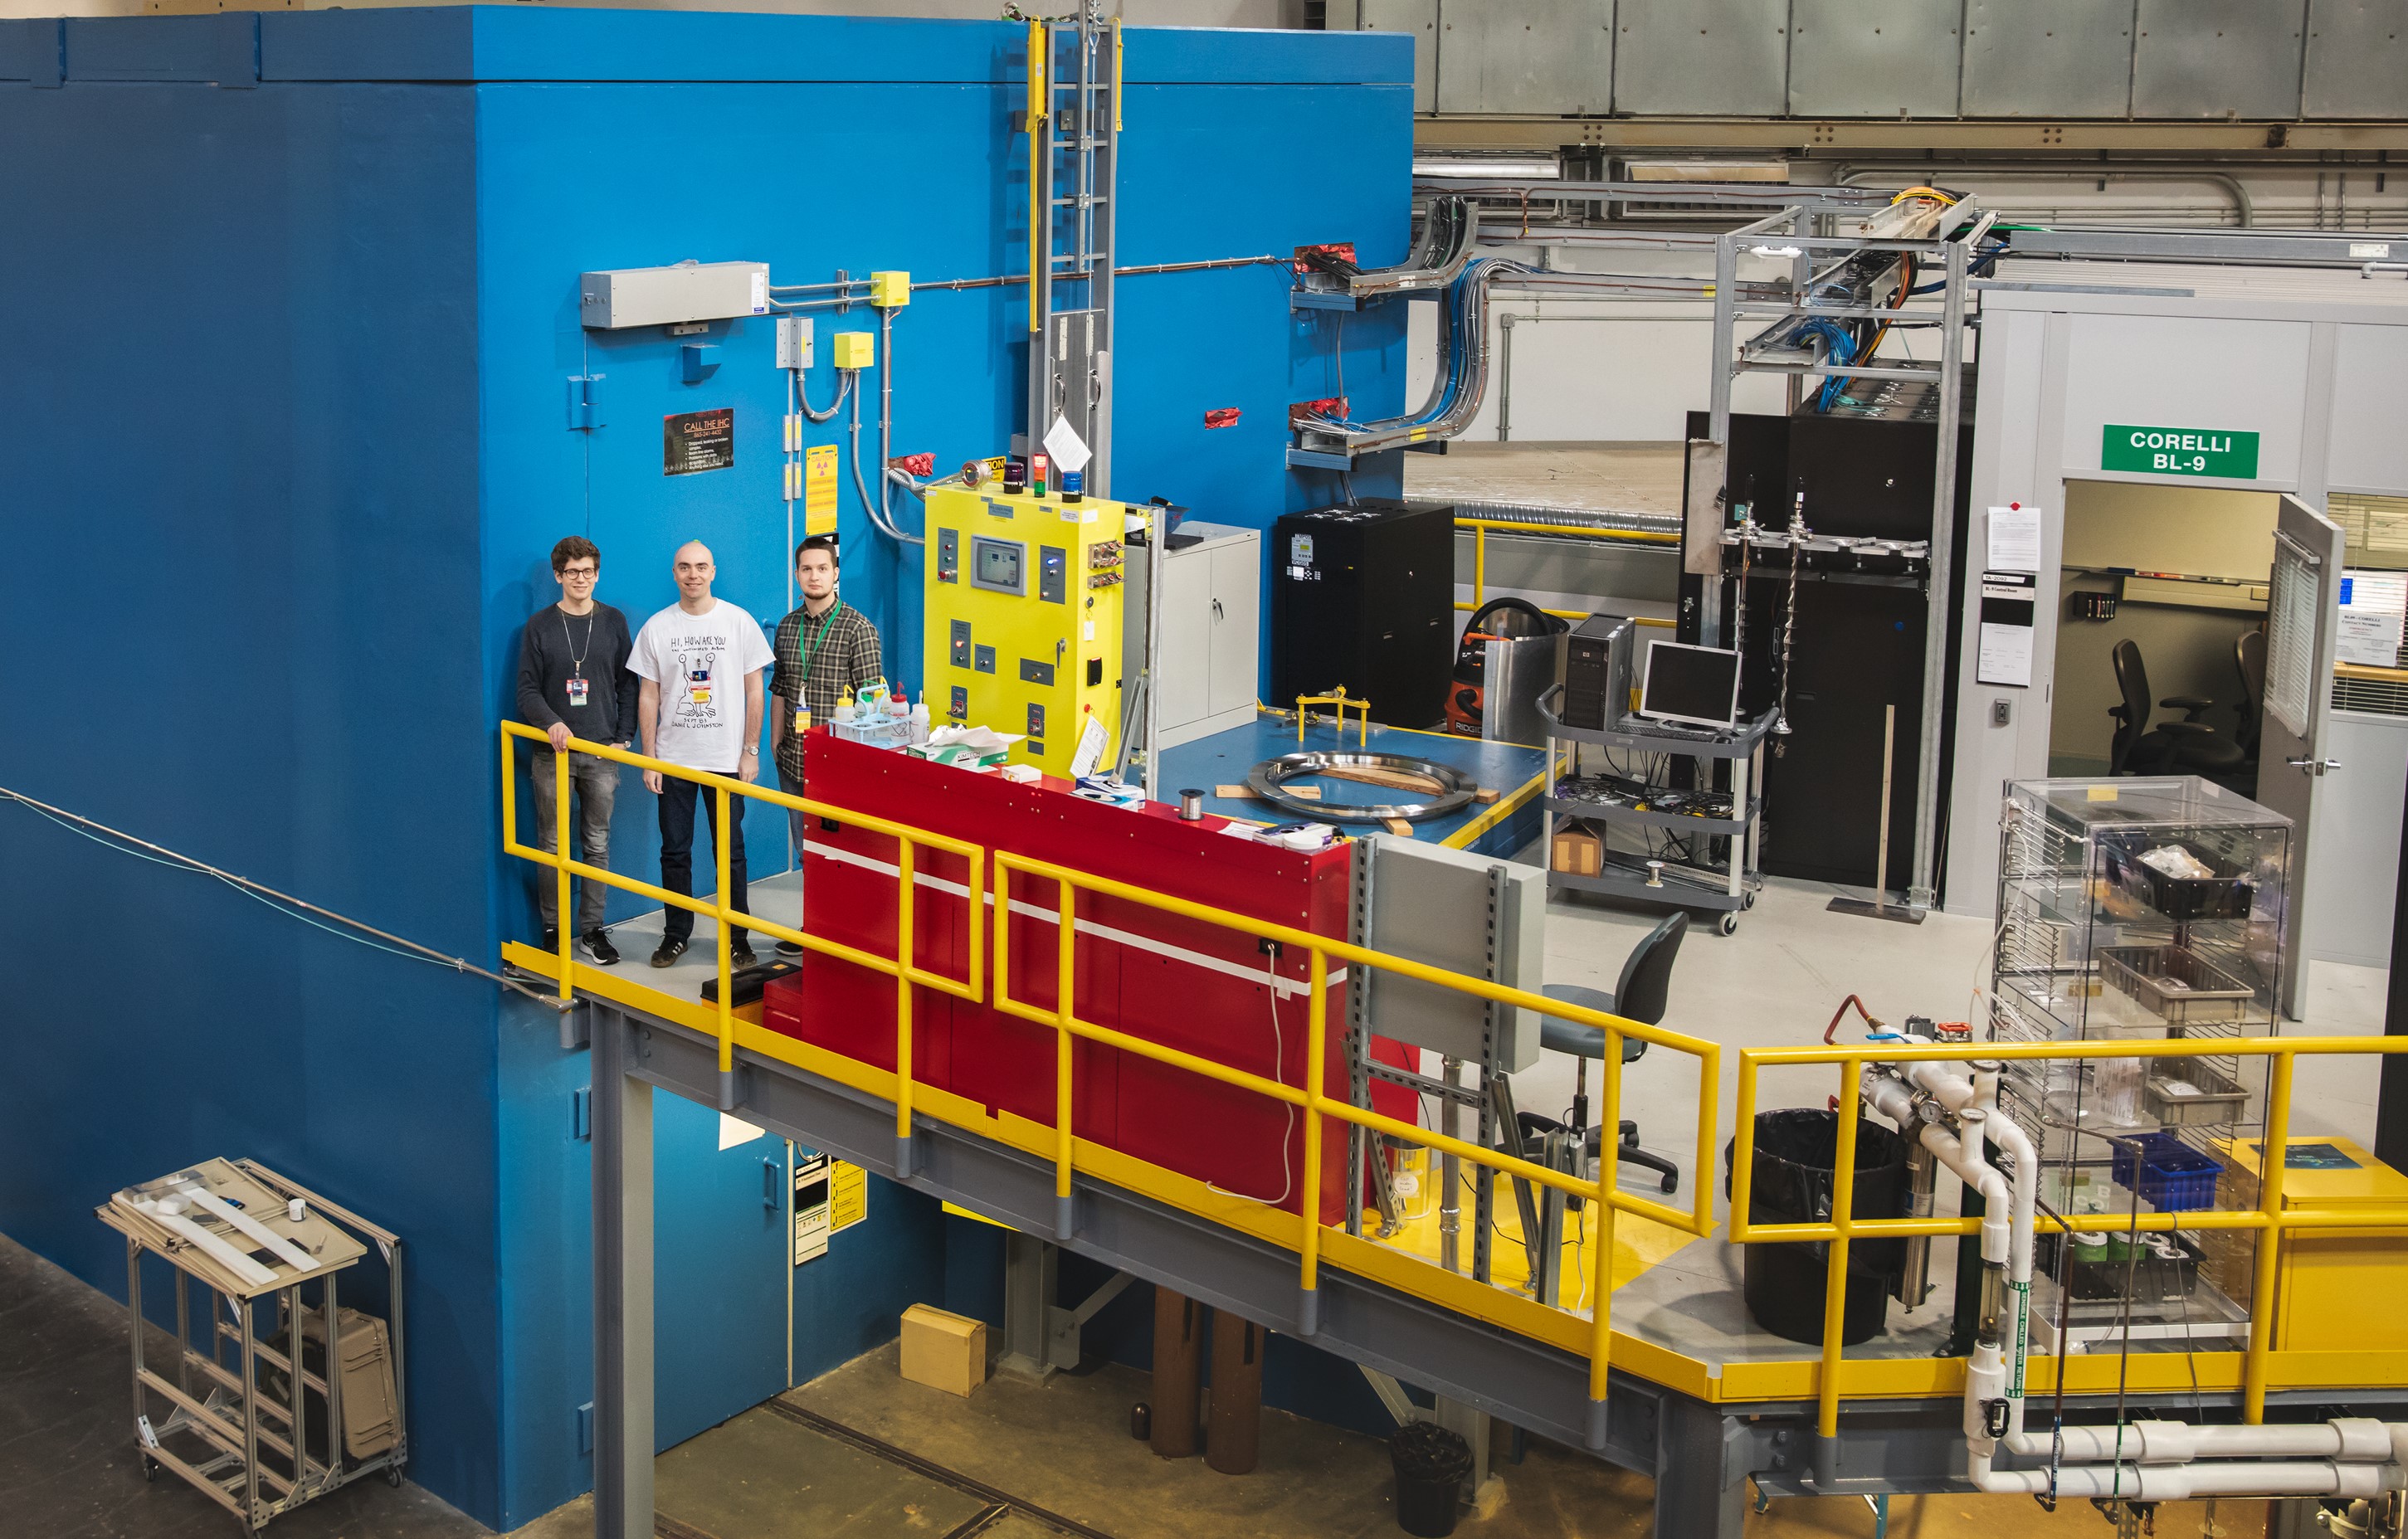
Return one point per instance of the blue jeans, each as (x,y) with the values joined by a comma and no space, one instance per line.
(678,798)
(594,784)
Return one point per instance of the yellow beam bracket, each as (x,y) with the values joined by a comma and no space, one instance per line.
(1338,699)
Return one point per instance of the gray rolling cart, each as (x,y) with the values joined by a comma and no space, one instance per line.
(274,1428)
(1724,887)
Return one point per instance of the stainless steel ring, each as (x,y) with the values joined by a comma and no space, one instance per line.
(1269,778)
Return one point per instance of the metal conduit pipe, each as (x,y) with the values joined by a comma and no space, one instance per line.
(1605,521)
(1852,174)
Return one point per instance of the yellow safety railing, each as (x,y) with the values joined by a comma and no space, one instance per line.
(2269,1217)
(971,987)
(1480,528)
(1320,950)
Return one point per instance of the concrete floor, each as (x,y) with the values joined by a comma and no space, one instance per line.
(861,1454)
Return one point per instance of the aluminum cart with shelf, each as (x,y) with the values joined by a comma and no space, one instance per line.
(1726,888)
(271,1432)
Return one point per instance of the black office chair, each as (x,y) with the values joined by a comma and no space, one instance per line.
(2188,747)
(2249,656)
(1640,995)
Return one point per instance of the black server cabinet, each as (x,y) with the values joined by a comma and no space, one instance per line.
(1858,640)
(1364,596)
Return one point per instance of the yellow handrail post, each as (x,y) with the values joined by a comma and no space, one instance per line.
(1038,212)
(1835,1278)
(721,837)
(976,979)
(1066,954)
(1479,564)
(1743,1154)
(2274,1157)
(1317,1026)
(1600,1261)
(560,779)
(906,884)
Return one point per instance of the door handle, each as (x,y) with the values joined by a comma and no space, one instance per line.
(770,1171)
(2314,766)
(1216,608)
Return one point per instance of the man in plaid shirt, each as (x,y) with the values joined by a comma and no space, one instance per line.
(823,652)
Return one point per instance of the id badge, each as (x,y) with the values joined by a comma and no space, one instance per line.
(576,691)
(802,719)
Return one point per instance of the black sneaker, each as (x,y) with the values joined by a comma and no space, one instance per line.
(552,937)
(740,956)
(671,950)
(594,944)
(789,948)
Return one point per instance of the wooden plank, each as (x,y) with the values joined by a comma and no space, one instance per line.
(1391,779)
(1398,826)
(1246,793)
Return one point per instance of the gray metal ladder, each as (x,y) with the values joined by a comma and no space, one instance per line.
(1074,140)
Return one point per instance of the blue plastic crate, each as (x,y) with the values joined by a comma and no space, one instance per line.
(2173,1177)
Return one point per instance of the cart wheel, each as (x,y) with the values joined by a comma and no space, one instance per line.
(1747,900)
(1729,925)
(393,1476)
(1671,1184)
(149,1468)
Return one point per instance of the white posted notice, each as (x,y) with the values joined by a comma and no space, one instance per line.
(2006,640)
(2014,538)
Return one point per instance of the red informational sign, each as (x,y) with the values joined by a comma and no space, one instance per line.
(698,440)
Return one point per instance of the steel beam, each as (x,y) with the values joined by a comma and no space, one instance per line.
(622,1271)
(1913,134)
(1929,742)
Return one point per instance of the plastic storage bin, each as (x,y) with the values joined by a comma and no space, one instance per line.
(2172,1176)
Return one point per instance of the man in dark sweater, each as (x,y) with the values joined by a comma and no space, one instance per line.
(573,682)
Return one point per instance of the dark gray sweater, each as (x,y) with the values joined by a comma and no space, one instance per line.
(552,639)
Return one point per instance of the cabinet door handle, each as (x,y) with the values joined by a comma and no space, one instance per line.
(1216,608)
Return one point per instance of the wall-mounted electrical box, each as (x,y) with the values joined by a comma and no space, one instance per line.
(889,291)
(1023,619)
(670,296)
(793,342)
(853,350)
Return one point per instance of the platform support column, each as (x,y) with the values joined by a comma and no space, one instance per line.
(1178,1372)
(1700,1476)
(1031,1273)
(623,1284)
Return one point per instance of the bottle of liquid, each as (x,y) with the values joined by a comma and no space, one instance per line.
(920,720)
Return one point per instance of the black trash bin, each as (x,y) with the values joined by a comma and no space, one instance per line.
(1431,1463)
(1784,1284)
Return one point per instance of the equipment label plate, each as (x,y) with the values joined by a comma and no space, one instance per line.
(698,440)
(2179,451)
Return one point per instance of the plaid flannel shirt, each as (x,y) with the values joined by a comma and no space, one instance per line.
(846,659)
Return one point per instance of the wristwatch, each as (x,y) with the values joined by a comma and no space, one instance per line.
(753,750)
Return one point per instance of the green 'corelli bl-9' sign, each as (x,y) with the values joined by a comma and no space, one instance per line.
(2179,451)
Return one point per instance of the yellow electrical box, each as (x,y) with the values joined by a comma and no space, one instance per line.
(1023,619)
(2335,1289)
(889,291)
(856,350)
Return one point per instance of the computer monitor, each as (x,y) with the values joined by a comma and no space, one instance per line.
(1698,685)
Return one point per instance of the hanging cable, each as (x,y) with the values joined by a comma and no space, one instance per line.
(284,903)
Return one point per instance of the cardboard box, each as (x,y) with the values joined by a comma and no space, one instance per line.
(943,1350)
(1578,852)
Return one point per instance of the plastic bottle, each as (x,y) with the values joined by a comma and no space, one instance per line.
(920,720)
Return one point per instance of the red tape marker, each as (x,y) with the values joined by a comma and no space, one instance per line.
(1221,417)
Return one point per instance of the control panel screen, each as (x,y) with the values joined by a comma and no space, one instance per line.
(998,566)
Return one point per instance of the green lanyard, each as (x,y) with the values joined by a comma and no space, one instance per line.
(811,650)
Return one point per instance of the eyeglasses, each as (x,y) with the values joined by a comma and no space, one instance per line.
(579,573)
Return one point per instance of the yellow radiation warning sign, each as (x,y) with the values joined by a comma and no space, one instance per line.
(819,489)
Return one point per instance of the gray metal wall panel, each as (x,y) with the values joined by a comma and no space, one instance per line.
(1700,57)
(2357,59)
(2214,58)
(1420,19)
(1873,58)
(2048,58)
(1525,56)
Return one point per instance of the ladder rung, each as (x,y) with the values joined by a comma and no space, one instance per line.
(1091,200)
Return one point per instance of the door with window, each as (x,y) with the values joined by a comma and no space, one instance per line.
(2302,610)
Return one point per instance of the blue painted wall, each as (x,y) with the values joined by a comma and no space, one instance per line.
(290,303)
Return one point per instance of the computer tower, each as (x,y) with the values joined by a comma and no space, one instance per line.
(1597,672)
(1362,596)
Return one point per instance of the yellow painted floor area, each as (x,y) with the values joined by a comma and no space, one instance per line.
(1639,1243)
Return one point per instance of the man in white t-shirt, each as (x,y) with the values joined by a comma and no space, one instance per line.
(699,705)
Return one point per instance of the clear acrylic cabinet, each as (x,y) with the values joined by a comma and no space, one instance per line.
(2137,909)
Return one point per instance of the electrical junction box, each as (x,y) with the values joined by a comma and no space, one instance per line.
(1467,913)
(853,350)
(1023,607)
(671,296)
(794,344)
(889,291)
(2336,1289)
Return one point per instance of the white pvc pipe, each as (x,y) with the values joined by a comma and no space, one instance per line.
(2182,1482)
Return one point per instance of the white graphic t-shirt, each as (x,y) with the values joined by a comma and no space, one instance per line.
(700,662)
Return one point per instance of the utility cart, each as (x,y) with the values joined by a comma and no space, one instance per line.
(1694,879)
(311,1400)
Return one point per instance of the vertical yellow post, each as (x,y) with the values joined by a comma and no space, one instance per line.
(1600,1261)
(2275,1158)
(1066,964)
(721,838)
(560,867)
(976,978)
(1117,51)
(1036,209)
(906,885)
(1479,564)
(1835,1279)
(1316,1029)
(1743,1151)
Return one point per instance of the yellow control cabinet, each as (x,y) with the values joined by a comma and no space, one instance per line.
(2336,1289)
(1023,619)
